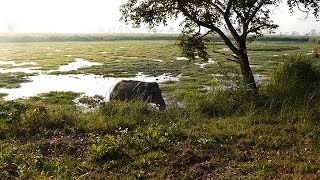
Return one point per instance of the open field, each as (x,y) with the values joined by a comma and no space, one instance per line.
(210,129)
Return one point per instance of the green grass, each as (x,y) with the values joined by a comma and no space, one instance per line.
(222,134)
(12,80)
(61,98)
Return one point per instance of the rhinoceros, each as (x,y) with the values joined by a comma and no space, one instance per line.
(129,90)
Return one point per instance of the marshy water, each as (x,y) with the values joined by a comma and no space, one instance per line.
(86,84)
(202,65)
(19,67)
(79,63)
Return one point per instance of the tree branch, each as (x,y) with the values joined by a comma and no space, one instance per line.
(225,54)
(226,16)
(249,18)
(259,27)
(217,7)
(209,26)
(254,13)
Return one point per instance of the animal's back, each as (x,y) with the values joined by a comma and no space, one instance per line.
(124,90)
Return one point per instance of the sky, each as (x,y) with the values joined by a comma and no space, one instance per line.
(100,16)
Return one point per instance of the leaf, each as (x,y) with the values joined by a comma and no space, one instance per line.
(94,147)
(154,134)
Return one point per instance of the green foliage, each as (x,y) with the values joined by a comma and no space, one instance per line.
(217,132)
(222,103)
(126,144)
(125,114)
(12,112)
(23,119)
(106,149)
(315,53)
(315,40)
(92,101)
(296,79)
(239,18)
(192,46)
(9,163)
(56,98)
(9,80)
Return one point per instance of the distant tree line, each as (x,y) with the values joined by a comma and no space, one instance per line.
(53,37)
(56,37)
(287,38)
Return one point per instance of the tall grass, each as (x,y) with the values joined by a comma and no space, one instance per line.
(296,80)
(254,136)
(315,52)
(294,85)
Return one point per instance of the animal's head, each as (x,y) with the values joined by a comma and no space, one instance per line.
(152,93)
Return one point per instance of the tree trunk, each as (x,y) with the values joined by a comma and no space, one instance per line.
(247,75)
(242,56)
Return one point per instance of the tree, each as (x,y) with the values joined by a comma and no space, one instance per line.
(241,18)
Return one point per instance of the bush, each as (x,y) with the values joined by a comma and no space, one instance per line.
(315,52)
(297,78)
(23,119)
(107,149)
(294,87)
(221,103)
(125,114)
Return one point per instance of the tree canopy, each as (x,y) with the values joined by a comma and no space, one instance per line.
(239,18)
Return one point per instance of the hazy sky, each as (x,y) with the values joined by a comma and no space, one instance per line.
(99,16)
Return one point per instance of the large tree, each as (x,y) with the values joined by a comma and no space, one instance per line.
(242,19)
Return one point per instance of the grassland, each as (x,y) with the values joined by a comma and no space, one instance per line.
(220,134)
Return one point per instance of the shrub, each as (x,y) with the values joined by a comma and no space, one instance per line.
(109,148)
(294,79)
(125,114)
(221,103)
(293,86)
(315,52)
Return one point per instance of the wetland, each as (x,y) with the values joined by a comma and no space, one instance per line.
(56,120)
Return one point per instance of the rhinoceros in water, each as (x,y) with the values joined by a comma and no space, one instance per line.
(138,90)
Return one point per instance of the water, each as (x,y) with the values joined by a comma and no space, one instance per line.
(88,85)
(157,60)
(311,53)
(182,59)
(259,78)
(18,68)
(202,65)
(79,63)
(224,49)
(255,66)
(27,70)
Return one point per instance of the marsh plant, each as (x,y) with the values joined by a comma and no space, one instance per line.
(295,79)
(315,52)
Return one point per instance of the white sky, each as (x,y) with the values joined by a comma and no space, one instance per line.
(99,16)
